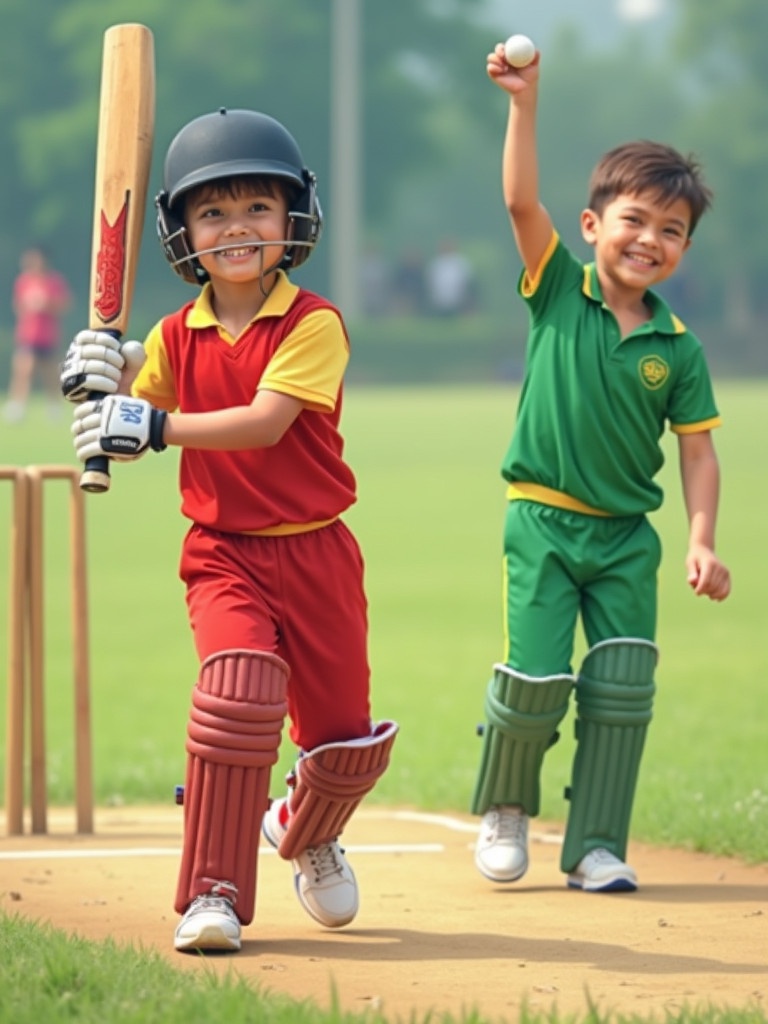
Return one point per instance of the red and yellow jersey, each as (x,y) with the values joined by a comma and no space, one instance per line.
(297,345)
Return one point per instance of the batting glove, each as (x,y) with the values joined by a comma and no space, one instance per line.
(95,362)
(118,426)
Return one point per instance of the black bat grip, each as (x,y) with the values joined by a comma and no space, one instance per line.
(95,477)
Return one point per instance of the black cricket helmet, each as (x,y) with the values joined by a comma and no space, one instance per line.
(232,143)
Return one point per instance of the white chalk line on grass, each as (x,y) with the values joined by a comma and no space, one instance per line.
(441,820)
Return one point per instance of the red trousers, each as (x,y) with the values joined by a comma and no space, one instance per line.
(300,597)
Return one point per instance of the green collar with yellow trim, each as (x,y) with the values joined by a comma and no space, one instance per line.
(663,319)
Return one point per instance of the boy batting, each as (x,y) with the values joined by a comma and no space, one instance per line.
(247,380)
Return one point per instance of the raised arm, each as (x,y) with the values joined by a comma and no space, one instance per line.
(531,223)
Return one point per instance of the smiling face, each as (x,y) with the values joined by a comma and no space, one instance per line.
(245,222)
(638,241)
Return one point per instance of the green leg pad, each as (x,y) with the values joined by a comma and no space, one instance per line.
(522,715)
(614,701)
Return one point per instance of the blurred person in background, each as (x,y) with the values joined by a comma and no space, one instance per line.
(376,284)
(450,281)
(409,295)
(41,296)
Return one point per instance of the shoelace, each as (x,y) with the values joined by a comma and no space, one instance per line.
(604,856)
(509,826)
(212,903)
(222,896)
(324,861)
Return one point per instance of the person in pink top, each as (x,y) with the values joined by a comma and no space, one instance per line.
(41,296)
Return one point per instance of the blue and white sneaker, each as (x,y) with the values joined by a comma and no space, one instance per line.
(602,871)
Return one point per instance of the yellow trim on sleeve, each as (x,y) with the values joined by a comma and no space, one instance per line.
(528,283)
(522,491)
(696,428)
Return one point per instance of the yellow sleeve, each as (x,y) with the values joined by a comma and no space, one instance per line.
(154,382)
(310,362)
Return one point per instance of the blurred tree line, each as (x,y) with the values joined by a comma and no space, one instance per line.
(432,128)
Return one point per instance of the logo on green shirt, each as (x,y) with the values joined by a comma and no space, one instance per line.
(653,372)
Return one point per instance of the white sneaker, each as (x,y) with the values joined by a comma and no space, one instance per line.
(501,851)
(602,871)
(210,922)
(325,883)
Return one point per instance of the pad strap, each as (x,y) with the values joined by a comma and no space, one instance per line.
(330,782)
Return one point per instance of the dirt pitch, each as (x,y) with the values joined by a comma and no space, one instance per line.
(432,934)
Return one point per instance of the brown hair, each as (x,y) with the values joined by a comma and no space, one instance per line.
(241,184)
(637,167)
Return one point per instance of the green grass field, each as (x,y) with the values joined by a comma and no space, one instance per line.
(429,520)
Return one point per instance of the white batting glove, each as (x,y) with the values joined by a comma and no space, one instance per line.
(94,363)
(118,426)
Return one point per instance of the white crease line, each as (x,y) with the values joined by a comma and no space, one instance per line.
(456,825)
(162,851)
(139,851)
(420,817)
(392,848)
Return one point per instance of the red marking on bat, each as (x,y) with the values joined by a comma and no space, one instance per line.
(110,265)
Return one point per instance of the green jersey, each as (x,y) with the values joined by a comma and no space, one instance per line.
(594,405)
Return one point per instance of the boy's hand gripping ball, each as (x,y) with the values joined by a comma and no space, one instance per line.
(519,51)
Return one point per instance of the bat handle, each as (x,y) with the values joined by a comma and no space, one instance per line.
(95,477)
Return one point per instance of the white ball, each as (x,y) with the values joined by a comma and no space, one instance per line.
(519,51)
(133,353)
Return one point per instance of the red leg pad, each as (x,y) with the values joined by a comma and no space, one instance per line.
(238,709)
(330,782)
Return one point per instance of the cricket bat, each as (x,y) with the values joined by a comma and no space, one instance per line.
(123,159)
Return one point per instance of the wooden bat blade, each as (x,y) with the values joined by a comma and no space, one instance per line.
(123,160)
(126,126)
